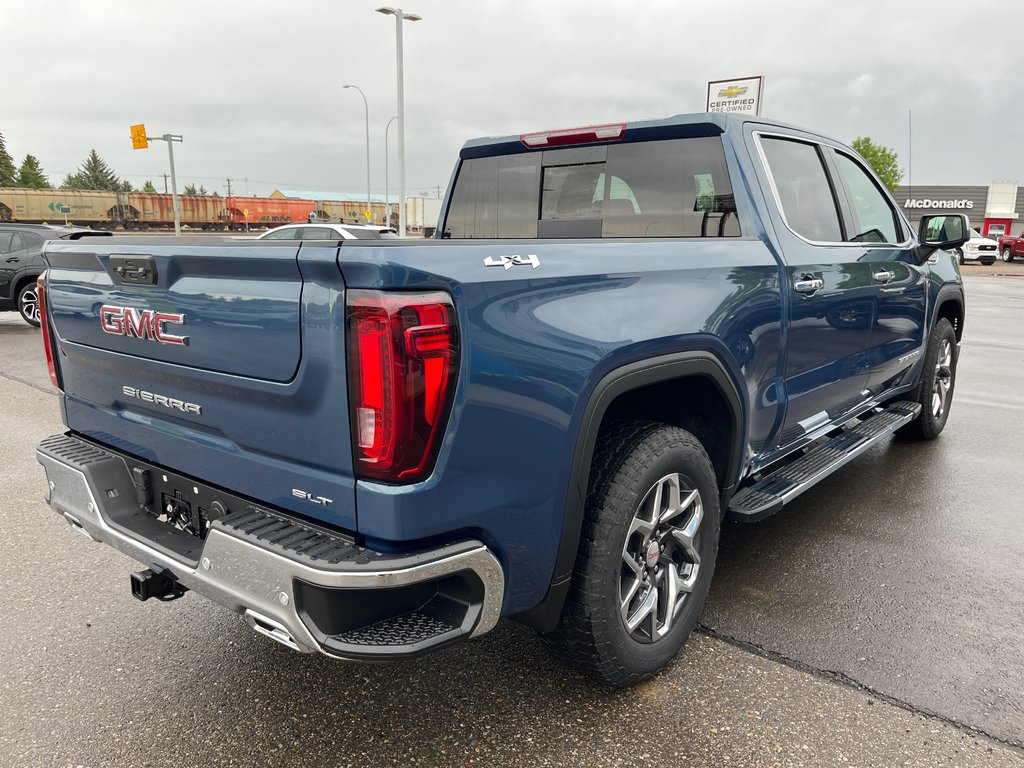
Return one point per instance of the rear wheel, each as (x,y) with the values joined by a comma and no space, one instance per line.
(935,390)
(647,553)
(28,303)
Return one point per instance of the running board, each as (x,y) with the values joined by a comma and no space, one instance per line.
(769,494)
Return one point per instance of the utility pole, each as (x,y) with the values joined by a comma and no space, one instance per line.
(166,191)
(227,206)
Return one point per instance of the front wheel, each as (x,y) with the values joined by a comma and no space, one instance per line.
(28,303)
(960,256)
(646,556)
(935,390)
(1007,255)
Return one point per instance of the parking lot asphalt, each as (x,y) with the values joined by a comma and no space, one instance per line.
(875,621)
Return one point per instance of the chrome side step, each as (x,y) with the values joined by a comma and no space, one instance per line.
(769,494)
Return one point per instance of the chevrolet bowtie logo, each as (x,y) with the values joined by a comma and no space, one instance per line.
(733,90)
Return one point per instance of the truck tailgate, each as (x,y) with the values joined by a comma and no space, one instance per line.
(223,360)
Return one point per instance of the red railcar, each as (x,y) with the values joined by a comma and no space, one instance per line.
(265,211)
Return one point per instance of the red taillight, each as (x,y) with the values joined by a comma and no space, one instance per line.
(402,361)
(586,135)
(44,323)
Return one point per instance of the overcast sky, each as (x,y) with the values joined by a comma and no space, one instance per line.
(254,87)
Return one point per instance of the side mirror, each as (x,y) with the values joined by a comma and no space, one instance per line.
(942,232)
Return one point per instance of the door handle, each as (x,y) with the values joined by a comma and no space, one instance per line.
(13,259)
(884,276)
(808,285)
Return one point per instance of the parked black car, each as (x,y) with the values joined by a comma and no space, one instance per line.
(21,262)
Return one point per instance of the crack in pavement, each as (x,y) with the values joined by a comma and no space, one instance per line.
(844,679)
(27,383)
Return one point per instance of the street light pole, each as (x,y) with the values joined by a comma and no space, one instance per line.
(387,196)
(367,107)
(400,16)
(170,138)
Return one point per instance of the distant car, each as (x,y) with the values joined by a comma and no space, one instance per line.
(326,231)
(979,248)
(21,262)
(1011,246)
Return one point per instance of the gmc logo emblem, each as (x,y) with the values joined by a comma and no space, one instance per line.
(141,323)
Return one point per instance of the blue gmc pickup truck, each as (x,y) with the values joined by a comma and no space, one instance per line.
(620,335)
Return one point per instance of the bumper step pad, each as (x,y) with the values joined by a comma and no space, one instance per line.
(769,494)
(298,538)
(406,630)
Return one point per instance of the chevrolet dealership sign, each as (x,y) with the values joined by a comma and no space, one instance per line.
(742,95)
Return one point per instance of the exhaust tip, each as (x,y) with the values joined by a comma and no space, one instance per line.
(270,628)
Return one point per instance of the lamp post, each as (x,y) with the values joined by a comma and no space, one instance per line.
(367,107)
(400,16)
(387,196)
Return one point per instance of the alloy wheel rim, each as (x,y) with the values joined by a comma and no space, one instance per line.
(943,379)
(660,561)
(30,305)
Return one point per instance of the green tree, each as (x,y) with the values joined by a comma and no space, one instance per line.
(31,175)
(190,189)
(126,186)
(7,172)
(148,186)
(215,193)
(202,190)
(882,160)
(94,174)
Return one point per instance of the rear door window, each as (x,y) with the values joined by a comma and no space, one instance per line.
(671,188)
(320,233)
(32,240)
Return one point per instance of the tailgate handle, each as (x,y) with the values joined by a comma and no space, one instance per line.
(134,270)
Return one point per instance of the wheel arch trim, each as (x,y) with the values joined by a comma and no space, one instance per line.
(681,365)
(950,293)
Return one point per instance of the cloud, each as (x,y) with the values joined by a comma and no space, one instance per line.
(255,88)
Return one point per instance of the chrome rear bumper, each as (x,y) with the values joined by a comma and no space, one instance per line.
(306,602)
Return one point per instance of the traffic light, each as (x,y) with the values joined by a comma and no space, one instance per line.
(139,140)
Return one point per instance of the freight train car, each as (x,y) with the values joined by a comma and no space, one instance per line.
(102,210)
(349,210)
(149,210)
(265,211)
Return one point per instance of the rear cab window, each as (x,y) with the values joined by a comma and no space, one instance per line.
(642,189)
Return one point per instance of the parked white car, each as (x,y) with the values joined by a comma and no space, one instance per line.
(979,248)
(327,231)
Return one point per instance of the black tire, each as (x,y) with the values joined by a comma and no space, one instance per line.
(1007,255)
(938,379)
(960,256)
(632,461)
(28,303)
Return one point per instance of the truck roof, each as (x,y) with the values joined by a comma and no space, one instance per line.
(675,127)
